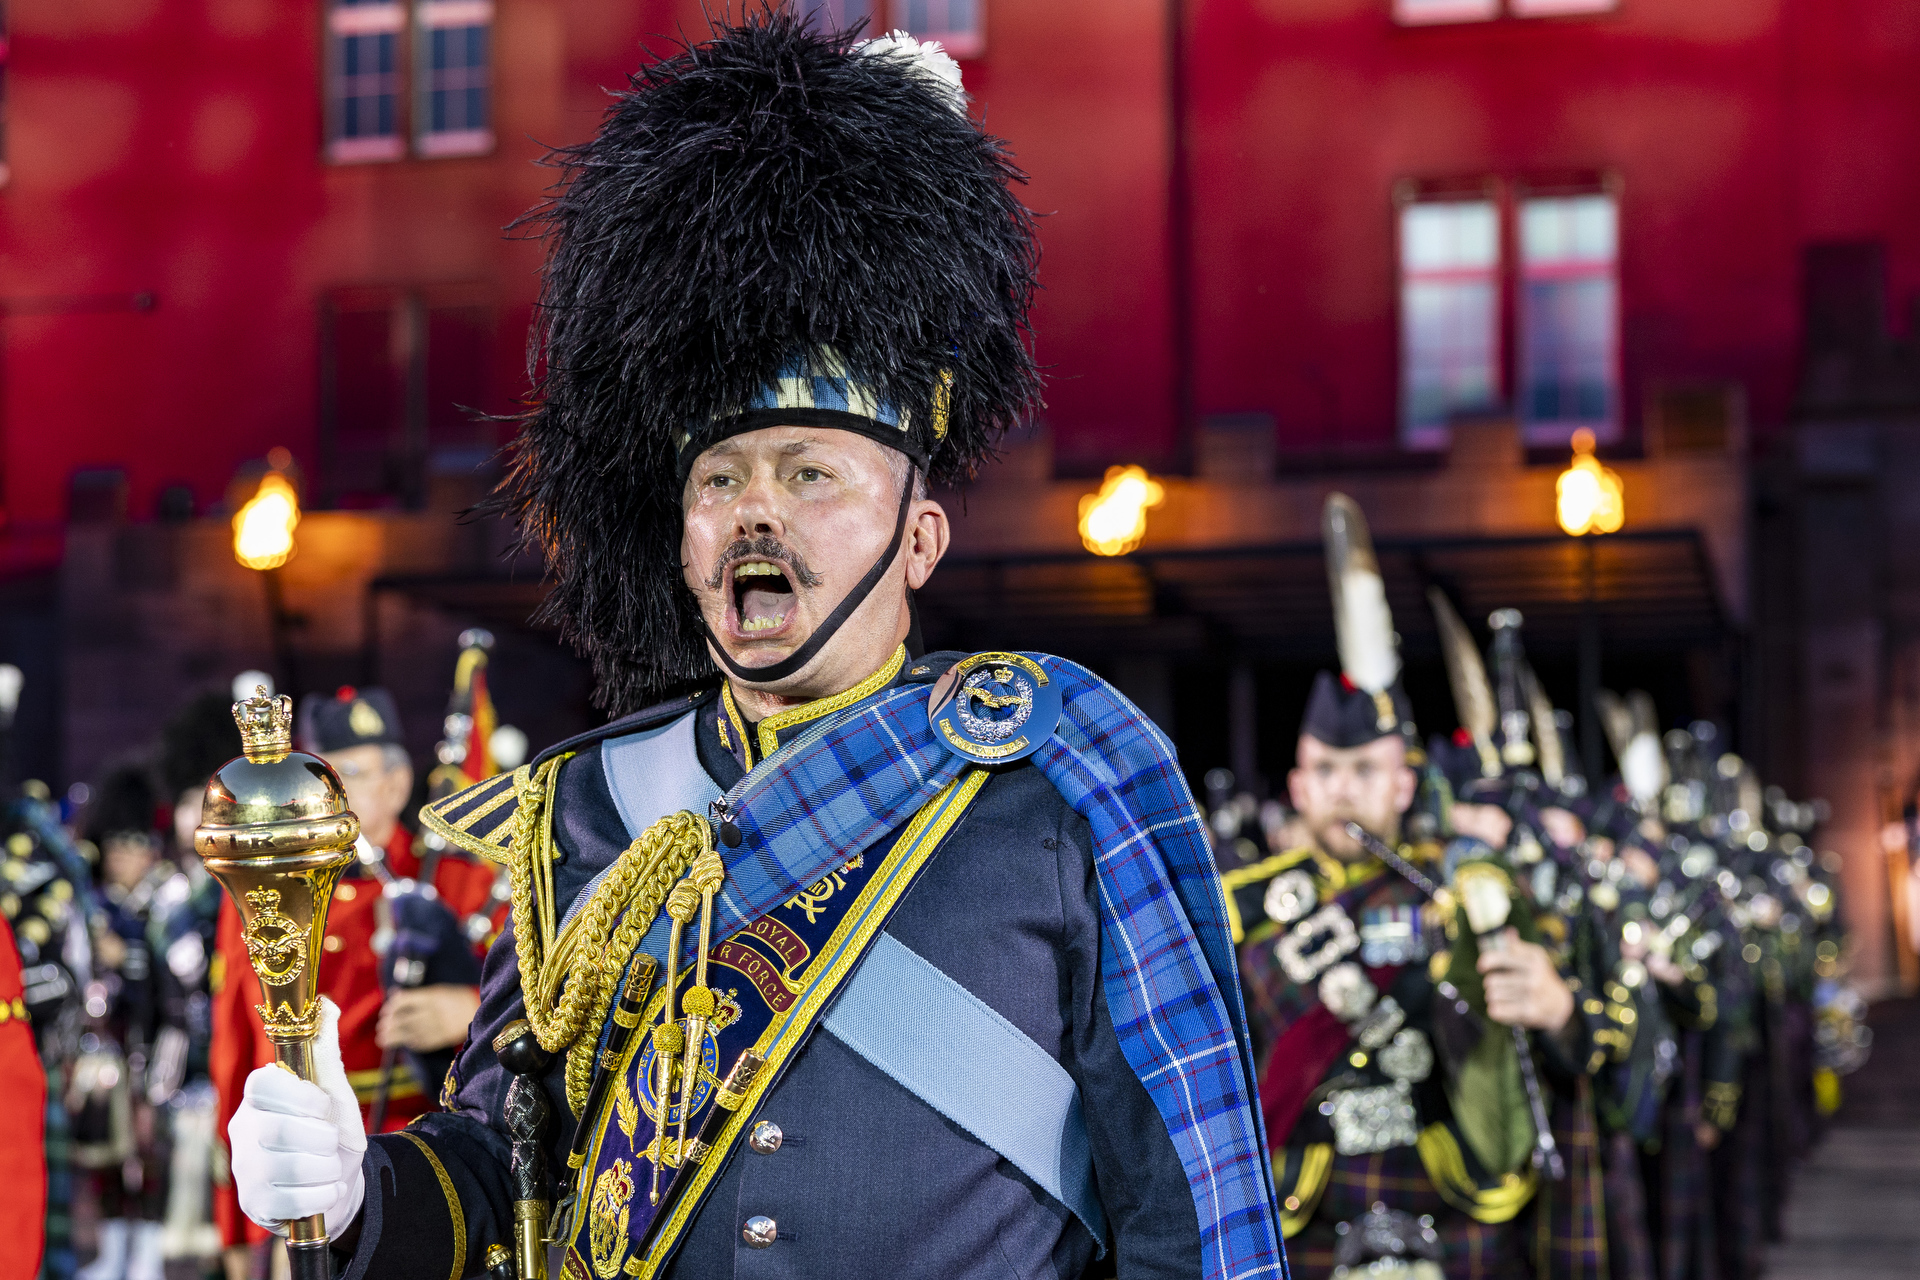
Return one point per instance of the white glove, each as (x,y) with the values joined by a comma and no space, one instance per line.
(297,1146)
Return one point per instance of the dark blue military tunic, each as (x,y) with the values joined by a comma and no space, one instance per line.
(867,1179)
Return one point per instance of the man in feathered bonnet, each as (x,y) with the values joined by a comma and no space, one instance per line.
(828,956)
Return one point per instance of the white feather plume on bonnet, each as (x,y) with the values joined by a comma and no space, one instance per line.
(925,58)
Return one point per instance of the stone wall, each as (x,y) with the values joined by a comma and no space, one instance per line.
(152,614)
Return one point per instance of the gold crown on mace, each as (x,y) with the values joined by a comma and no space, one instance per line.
(266,725)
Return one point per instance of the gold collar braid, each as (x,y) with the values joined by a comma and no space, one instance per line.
(585,969)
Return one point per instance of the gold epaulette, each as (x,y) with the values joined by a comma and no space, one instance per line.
(1265,869)
(1253,873)
(479,819)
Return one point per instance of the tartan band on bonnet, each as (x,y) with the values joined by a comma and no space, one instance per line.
(820,392)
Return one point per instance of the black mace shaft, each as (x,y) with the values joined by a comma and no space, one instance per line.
(527,1114)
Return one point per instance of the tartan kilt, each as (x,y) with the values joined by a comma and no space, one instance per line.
(1471,1250)
(1679,1192)
(1570,1216)
(1740,1183)
(1629,1238)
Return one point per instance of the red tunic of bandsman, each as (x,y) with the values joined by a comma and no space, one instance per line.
(23,1154)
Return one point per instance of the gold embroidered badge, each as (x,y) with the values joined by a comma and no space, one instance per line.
(607,1218)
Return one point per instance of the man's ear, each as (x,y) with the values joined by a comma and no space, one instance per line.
(1404,787)
(928,535)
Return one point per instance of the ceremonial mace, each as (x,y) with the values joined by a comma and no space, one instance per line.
(277,834)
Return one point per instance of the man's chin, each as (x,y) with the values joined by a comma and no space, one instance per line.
(748,655)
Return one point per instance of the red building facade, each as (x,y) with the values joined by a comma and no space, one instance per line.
(188,280)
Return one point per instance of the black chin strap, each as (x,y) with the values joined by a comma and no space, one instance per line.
(800,657)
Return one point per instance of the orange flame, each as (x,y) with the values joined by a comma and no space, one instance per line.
(263,529)
(1114,520)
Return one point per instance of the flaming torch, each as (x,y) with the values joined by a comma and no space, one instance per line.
(277,834)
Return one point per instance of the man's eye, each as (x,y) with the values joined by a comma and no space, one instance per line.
(719,481)
(807,474)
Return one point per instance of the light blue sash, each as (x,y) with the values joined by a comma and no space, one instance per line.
(954,1052)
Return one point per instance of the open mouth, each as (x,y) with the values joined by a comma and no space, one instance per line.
(763,598)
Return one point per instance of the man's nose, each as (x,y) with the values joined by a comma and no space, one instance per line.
(760,508)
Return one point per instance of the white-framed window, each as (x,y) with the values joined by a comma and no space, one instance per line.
(453,77)
(1569,322)
(402,75)
(1449,315)
(363,80)
(1421,13)
(959,25)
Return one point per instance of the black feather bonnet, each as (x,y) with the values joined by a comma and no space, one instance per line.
(777,194)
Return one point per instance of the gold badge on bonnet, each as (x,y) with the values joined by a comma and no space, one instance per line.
(364,720)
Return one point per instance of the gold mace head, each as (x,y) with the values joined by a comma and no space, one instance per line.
(276,833)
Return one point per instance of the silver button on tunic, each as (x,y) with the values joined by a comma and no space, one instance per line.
(759,1232)
(765,1138)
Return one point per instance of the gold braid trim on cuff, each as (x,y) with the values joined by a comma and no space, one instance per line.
(453,1204)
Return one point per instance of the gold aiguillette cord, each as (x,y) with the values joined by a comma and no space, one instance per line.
(706,875)
(670,1041)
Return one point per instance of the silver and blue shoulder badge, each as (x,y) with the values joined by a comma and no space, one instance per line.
(994,708)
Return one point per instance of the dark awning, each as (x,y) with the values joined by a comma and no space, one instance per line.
(1653,591)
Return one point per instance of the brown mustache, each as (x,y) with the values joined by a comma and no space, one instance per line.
(764,547)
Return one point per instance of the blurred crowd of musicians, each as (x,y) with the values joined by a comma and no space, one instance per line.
(1512,1019)
(126,995)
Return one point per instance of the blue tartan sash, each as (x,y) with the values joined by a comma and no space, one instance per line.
(1166,957)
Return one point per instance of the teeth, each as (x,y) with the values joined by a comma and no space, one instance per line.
(751,625)
(756,569)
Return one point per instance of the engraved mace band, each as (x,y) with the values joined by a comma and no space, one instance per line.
(265,844)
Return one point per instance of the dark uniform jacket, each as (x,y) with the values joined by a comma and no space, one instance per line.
(868,1180)
(1436,1167)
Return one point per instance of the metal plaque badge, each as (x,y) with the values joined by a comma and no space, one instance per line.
(1316,943)
(994,708)
(1377,1118)
(1409,1057)
(1290,895)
